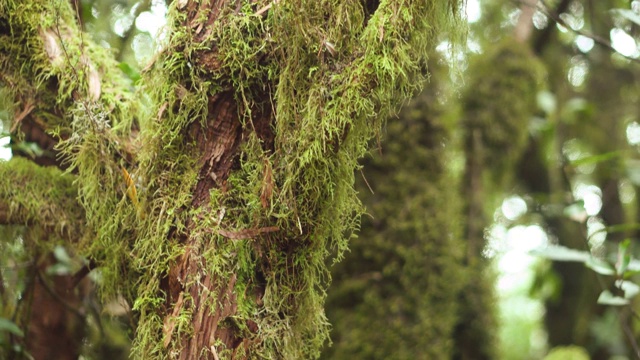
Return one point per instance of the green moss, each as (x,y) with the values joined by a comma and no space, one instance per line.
(396,293)
(499,101)
(325,106)
(326,110)
(41,196)
(83,100)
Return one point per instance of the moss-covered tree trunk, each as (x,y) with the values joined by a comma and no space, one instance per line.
(404,274)
(212,192)
(497,106)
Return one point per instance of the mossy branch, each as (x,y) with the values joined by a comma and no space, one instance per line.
(54,70)
(46,197)
(82,108)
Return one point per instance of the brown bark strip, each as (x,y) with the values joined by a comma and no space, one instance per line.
(267,185)
(248,233)
(524,27)
(218,143)
(28,107)
(205,321)
(170,323)
(210,298)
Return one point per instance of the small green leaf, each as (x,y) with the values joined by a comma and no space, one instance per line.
(595,159)
(600,266)
(132,73)
(607,298)
(60,253)
(7,325)
(624,257)
(561,253)
(634,266)
(59,269)
(30,148)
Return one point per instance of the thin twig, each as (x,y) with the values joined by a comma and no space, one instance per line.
(629,334)
(28,107)
(366,182)
(545,9)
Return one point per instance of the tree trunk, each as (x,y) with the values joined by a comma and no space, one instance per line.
(214,194)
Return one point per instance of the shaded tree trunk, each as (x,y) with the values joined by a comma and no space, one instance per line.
(405,273)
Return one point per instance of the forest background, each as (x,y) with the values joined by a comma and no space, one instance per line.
(500,203)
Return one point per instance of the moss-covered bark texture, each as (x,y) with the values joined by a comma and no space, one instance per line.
(415,284)
(214,192)
(497,106)
(396,295)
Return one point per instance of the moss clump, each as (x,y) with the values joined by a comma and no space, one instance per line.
(396,294)
(498,104)
(41,196)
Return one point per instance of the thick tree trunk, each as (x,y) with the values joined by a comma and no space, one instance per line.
(215,193)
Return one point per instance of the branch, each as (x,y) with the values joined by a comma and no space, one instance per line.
(43,41)
(548,31)
(46,197)
(544,8)
(523,28)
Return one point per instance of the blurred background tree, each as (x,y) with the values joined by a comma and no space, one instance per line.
(548,164)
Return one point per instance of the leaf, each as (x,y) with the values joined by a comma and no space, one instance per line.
(131,188)
(634,265)
(547,102)
(30,148)
(624,257)
(132,73)
(9,326)
(630,289)
(627,14)
(60,253)
(607,298)
(576,211)
(600,266)
(561,253)
(595,159)
(59,269)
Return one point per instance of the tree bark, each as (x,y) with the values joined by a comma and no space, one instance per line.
(214,195)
